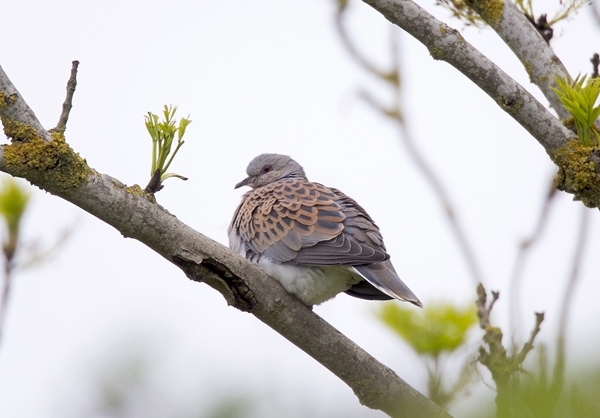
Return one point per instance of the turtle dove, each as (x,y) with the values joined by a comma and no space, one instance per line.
(315,240)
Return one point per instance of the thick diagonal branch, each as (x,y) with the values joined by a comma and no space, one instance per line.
(446,44)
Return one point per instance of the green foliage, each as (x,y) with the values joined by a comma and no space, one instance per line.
(462,11)
(580,100)
(543,394)
(540,394)
(13,203)
(566,10)
(438,328)
(526,7)
(432,330)
(163,134)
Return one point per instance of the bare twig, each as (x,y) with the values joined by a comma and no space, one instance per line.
(395,113)
(483,308)
(68,104)
(351,48)
(559,367)
(493,355)
(595,60)
(5,293)
(524,251)
(596,11)
(528,346)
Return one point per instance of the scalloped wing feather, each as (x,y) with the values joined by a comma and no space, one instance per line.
(305,223)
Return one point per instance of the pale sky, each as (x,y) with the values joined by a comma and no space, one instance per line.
(255,77)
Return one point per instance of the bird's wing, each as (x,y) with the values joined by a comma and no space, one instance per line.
(306,223)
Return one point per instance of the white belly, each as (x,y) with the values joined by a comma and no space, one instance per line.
(313,285)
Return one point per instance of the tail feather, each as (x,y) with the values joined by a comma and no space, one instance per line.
(385,279)
(365,290)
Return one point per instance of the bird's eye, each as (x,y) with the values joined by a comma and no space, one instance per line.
(266,169)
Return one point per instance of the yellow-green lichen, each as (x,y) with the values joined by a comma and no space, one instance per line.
(18,131)
(529,70)
(136,190)
(577,172)
(489,10)
(436,53)
(51,165)
(6,100)
(510,105)
(569,123)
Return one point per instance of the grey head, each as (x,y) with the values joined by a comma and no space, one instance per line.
(267,168)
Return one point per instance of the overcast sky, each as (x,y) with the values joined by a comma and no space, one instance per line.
(255,77)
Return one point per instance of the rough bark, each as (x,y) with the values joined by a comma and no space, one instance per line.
(536,55)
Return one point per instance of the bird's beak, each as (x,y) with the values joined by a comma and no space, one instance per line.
(243,182)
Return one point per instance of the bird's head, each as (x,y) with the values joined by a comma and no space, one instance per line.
(267,168)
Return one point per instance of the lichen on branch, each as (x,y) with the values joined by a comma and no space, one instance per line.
(48,164)
(577,172)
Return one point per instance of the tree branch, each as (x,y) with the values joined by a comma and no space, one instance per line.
(136,215)
(446,44)
(14,109)
(538,58)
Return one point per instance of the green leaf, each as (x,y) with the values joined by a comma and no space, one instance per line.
(580,99)
(438,327)
(13,202)
(163,134)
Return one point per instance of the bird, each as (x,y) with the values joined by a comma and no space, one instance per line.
(316,241)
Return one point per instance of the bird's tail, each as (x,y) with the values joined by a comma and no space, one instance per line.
(384,278)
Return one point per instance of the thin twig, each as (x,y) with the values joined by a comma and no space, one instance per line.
(596,11)
(559,367)
(493,355)
(524,251)
(483,309)
(349,45)
(68,104)
(394,112)
(5,294)
(9,250)
(528,346)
